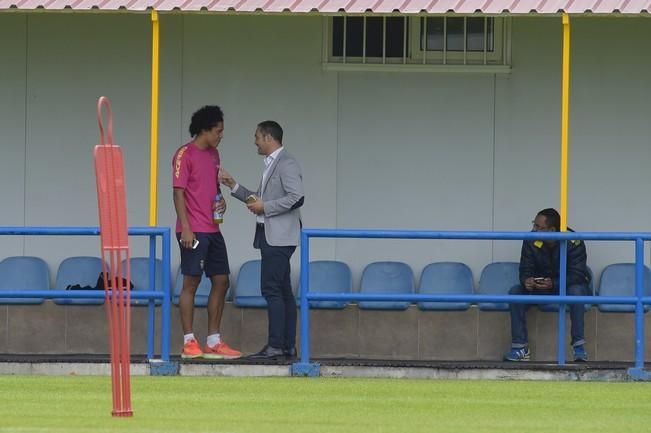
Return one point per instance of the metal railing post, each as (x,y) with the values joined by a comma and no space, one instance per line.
(151,304)
(166,304)
(562,291)
(305,305)
(304,367)
(639,307)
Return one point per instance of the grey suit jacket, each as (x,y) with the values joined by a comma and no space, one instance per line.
(282,196)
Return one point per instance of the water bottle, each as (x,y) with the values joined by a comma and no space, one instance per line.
(217,216)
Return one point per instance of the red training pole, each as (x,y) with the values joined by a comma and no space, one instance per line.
(114,241)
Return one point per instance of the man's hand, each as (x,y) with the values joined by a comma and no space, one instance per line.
(225,178)
(545,284)
(220,206)
(187,238)
(257,207)
(529,284)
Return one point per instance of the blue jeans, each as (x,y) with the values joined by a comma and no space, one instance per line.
(519,321)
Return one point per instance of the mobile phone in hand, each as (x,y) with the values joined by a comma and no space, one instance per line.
(195,243)
(538,279)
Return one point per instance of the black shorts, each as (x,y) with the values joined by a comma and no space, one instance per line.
(209,257)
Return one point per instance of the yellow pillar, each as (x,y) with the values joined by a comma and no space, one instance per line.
(565,114)
(153,161)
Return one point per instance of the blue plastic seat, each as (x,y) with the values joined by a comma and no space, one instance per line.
(386,277)
(140,277)
(619,280)
(445,278)
(23,273)
(203,291)
(550,308)
(497,279)
(329,276)
(247,288)
(81,270)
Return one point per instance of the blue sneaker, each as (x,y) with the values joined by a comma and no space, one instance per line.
(580,355)
(518,354)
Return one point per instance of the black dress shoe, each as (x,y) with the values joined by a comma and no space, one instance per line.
(290,353)
(268,353)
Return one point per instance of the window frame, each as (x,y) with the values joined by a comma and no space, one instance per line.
(363,59)
(459,57)
(498,61)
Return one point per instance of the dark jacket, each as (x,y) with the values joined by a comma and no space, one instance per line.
(537,259)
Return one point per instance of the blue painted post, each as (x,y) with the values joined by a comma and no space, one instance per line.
(305,306)
(562,289)
(305,368)
(151,304)
(639,307)
(151,327)
(167,299)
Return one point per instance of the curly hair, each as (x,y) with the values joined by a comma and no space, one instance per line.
(205,119)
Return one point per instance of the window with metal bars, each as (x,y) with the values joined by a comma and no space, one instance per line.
(369,38)
(429,41)
(474,34)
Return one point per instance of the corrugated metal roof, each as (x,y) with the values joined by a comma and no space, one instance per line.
(347,6)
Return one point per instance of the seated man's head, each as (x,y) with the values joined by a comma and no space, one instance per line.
(547,220)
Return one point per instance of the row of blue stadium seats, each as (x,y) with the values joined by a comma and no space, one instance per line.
(326,276)
(32,273)
(455,278)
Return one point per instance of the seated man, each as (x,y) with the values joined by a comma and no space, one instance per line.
(539,275)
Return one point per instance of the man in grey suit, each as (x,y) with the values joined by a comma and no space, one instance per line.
(276,205)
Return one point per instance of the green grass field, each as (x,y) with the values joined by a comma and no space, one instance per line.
(259,405)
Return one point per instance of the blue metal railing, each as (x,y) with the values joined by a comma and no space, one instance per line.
(639,300)
(151,295)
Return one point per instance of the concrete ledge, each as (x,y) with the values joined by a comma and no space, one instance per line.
(66,369)
(234,370)
(473,374)
(406,369)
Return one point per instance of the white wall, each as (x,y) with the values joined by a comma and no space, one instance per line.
(12,128)
(406,151)
(395,150)
(611,133)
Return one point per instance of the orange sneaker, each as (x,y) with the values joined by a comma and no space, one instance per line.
(220,351)
(191,349)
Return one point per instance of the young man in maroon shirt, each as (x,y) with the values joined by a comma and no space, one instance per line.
(195,168)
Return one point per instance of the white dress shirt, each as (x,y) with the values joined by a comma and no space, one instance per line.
(268,160)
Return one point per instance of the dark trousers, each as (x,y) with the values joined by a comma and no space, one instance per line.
(519,336)
(277,291)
